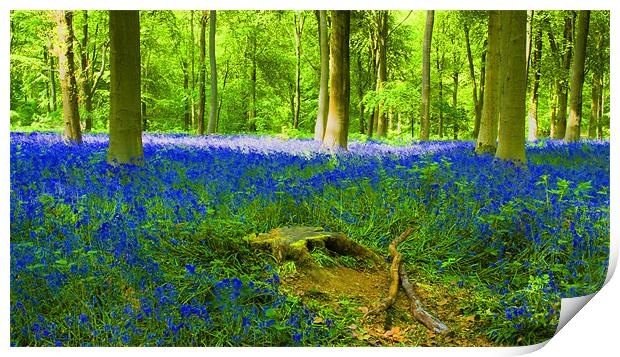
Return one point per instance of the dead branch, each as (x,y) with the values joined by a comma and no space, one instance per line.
(416,308)
(394,280)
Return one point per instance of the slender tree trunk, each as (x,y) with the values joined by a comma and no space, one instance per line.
(66,70)
(573,125)
(187,115)
(602,108)
(202,73)
(323,111)
(336,133)
(472,74)
(596,97)
(554,107)
(535,65)
(46,58)
(252,112)
(86,79)
(360,93)
(398,124)
(299,28)
(125,146)
(528,40)
(455,123)
(487,136)
(52,77)
(193,73)
(563,81)
(382,32)
(440,75)
(511,145)
(426,76)
(213,109)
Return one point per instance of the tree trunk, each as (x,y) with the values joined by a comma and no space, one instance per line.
(472,74)
(86,80)
(563,81)
(299,28)
(440,75)
(66,70)
(426,76)
(554,107)
(125,146)
(573,125)
(193,73)
(535,65)
(596,97)
(511,145)
(602,109)
(252,112)
(382,31)
(52,77)
(202,73)
(487,136)
(336,133)
(455,124)
(213,109)
(321,119)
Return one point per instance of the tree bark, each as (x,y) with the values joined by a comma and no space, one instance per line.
(52,77)
(202,73)
(487,136)
(535,65)
(213,109)
(563,81)
(86,80)
(573,125)
(596,97)
(336,133)
(299,28)
(455,123)
(66,70)
(472,74)
(511,145)
(426,76)
(321,120)
(125,146)
(382,32)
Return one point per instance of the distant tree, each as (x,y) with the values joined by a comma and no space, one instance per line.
(321,120)
(487,135)
(381,38)
(51,72)
(202,74)
(66,71)
(562,87)
(573,126)
(336,133)
(125,145)
(511,146)
(299,20)
(535,67)
(426,75)
(213,109)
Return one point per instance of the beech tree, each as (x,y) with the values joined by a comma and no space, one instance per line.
(535,66)
(213,109)
(66,73)
(511,144)
(426,75)
(323,111)
(487,135)
(336,133)
(573,125)
(125,145)
(202,75)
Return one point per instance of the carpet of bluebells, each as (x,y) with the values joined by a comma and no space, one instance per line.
(153,255)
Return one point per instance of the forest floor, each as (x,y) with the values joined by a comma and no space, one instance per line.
(349,294)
